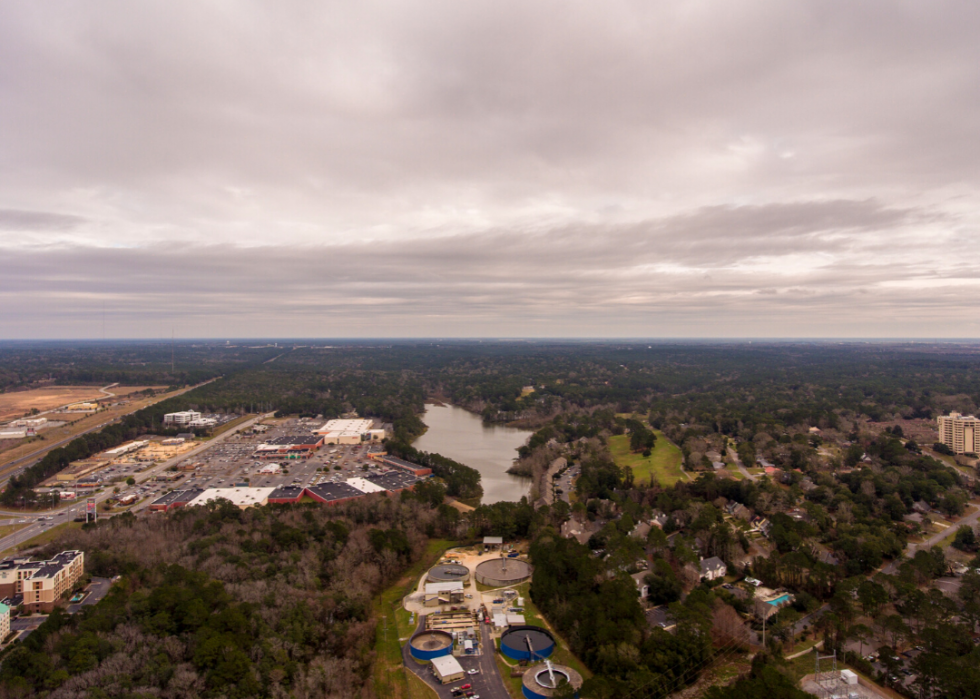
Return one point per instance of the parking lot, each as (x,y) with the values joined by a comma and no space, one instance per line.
(232,461)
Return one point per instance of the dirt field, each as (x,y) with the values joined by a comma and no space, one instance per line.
(16,404)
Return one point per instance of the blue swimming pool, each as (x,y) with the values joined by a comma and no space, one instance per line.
(778,601)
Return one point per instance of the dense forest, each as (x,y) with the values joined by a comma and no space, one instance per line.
(220,602)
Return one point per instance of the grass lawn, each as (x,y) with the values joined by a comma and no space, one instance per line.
(10,529)
(664,463)
(391,680)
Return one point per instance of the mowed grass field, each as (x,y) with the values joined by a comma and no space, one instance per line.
(664,463)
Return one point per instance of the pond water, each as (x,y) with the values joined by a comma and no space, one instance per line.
(491,450)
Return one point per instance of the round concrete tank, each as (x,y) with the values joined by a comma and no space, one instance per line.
(426,645)
(501,572)
(527,643)
(449,572)
(543,681)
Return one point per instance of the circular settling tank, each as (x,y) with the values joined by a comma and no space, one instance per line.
(527,643)
(544,681)
(426,645)
(501,572)
(449,572)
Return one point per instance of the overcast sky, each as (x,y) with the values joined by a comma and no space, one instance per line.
(549,169)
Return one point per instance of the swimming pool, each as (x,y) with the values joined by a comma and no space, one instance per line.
(778,601)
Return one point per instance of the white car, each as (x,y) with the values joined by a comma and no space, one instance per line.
(474,671)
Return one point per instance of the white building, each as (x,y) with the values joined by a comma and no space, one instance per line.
(32,422)
(349,432)
(961,433)
(242,497)
(270,469)
(447,669)
(365,486)
(185,417)
(126,448)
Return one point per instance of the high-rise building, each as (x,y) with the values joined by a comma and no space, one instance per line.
(961,433)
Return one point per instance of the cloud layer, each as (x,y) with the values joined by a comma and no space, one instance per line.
(476,169)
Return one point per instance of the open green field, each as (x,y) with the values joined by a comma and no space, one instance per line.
(391,680)
(664,463)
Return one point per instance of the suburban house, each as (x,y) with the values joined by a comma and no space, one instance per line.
(713,568)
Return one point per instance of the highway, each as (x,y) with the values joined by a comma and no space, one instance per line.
(41,522)
(11,469)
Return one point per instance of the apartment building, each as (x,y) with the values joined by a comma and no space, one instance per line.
(961,433)
(42,583)
(4,622)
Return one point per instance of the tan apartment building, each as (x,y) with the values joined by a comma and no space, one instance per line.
(961,433)
(42,583)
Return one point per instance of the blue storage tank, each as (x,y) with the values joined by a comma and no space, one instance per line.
(527,643)
(426,645)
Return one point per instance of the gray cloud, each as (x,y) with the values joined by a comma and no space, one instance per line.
(507,168)
(14,220)
(641,279)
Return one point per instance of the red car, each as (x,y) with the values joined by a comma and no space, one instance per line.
(467,686)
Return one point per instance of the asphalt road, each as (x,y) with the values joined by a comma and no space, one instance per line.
(733,455)
(487,683)
(931,541)
(12,469)
(77,508)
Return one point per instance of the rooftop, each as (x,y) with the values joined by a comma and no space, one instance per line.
(243,497)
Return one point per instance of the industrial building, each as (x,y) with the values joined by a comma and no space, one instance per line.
(31,422)
(447,669)
(42,583)
(353,431)
(961,433)
(126,448)
(443,593)
(79,469)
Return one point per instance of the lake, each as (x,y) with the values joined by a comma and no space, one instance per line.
(491,450)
